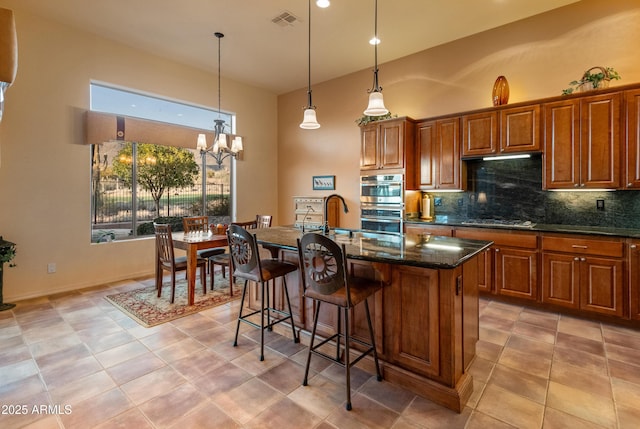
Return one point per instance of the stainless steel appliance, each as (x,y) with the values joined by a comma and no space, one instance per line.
(382,203)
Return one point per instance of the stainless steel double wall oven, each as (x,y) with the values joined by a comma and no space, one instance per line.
(382,202)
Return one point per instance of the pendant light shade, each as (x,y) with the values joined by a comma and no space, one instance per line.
(309,122)
(376,103)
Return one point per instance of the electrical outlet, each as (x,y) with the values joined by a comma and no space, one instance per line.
(460,202)
(51,267)
(600,204)
(437,201)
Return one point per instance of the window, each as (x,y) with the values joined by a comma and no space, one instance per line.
(135,183)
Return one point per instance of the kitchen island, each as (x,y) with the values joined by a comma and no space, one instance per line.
(426,315)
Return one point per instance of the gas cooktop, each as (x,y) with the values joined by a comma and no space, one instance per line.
(500,222)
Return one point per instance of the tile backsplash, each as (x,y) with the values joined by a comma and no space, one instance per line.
(512,190)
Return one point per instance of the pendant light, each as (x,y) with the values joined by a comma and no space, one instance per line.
(376,103)
(309,122)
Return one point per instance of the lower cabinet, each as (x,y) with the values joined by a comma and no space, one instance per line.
(633,264)
(584,274)
(510,266)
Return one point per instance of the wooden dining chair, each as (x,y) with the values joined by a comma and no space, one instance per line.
(263,221)
(201,224)
(224,260)
(167,261)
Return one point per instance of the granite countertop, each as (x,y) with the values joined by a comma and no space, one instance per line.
(537,227)
(406,249)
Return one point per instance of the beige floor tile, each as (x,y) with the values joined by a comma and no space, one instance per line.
(65,357)
(623,354)
(520,383)
(481,369)
(163,337)
(365,413)
(198,363)
(434,416)
(135,367)
(96,410)
(246,401)
(493,335)
(539,318)
(521,412)
(153,384)
(498,323)
(224,378)
(585,405)
(133,418)
(403,423)
(479,420)
(59,375)
(163,410)
(79,389)
(628,416)
(320,396)
(13,354)
(100,342)
(580,359)
(621,338)
(488,351)
(580,327)
(535,332)
(570,375)
(525,362)
(180,350)
(284,414)
(116,355)
(478,388)
(21,390)
(531,346)
(626,393)
(391,396)
(285,377)
(207,416)
(17,371)
(554,419)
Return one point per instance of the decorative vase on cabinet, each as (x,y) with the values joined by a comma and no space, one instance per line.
(500,93)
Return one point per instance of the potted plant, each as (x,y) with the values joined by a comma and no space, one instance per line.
(7,253)
(594,78)
(364,119)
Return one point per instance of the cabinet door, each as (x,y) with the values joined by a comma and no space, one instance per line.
(447,154)
(516,273)
(425,138)
(412,303)
(633,140)
(601,285)
(560,279)
(485,271)
(441,230)
(480,134)
(600,136)
(561,148)
(634,278)
(369,147)
(391,144)
(520,129)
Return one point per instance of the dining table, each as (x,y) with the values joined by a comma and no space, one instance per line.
(191,243)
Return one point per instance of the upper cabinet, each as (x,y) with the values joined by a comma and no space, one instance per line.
(438,163)
(501,132)
(582,142)
(632,151)
(387,144)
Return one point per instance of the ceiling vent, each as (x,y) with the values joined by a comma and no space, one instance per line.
(285,19)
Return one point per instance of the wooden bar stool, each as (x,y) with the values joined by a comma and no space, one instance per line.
(325,279)
(247,265)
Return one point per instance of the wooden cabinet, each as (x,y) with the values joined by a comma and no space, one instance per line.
(388,144)
(309,211)
(582,142)
(632,152)
(510,266)
(633,276)
(508,130)
(439,165)
(582,273)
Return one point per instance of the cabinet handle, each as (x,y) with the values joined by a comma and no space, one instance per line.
(575,185)
(577,246)
(497,250)
(633,246)
(583,259)
(576,259)
(629,184)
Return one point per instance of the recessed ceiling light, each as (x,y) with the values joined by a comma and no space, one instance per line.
(323,3)
(374,41)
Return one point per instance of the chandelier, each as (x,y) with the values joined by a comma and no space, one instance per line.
(220,149)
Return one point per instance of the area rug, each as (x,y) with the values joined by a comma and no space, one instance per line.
(144,306)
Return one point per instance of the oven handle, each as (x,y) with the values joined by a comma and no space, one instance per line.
(371,219)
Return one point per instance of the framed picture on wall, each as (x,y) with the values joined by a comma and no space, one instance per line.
(324,183)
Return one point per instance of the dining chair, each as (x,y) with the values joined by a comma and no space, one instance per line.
(224,260)
(167,261)
(263,221)
(325,280)
(201,224)
(248,265)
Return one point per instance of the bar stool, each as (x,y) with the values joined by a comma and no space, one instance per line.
(325,279)
(247,265)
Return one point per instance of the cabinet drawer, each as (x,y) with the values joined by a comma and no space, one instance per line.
(583,246)
(441,230)
(309,219)
(500,238)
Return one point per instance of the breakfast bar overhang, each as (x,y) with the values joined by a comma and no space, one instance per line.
(426,315)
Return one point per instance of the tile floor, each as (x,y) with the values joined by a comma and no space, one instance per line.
(75,361)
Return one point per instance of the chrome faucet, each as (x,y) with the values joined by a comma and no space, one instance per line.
(325,228)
